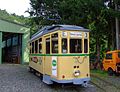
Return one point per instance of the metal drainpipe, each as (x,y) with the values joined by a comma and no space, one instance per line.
(117,30)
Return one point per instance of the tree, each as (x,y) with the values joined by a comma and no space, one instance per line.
(113,13)
(12,17)
(97,15)
(43,12)
(87,13)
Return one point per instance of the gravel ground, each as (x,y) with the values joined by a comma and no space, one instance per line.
(16,78)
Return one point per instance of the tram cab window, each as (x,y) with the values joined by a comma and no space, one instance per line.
(48,46)
(85,46)
(55,43)
(32,47)
(40,45)
(36,46)
(64,45)
(75,45)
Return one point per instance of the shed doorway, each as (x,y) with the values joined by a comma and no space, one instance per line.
(12,48)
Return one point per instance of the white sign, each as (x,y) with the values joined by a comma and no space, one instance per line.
(54,66)
(85,35)
(75,34)
(64,34)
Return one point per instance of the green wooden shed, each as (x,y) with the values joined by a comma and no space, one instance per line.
(14,39)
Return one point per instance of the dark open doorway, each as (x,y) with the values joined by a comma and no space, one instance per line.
(12,48)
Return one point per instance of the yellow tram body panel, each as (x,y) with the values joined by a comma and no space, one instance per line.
(61,55)
(68,65)
(37,65)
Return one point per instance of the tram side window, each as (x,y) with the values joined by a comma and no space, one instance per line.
(55,43)
(85,46)
(36,46)
(64,45)
(40,48)
(75,45)
(40,40)
(48,46)
(40,45)
(32,47)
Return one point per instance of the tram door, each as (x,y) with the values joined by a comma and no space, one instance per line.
(47,57)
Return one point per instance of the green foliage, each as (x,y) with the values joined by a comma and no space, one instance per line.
(97,15)
(99,73)
(13,17)
(43,12)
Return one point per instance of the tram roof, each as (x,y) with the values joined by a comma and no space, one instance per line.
(48,29)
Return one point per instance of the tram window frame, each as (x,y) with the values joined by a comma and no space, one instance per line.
(72,46)
(64,45)
(47,47)
(40,45)
(54,39)
(32,47)
(40,40)
(36,46)
(85,46)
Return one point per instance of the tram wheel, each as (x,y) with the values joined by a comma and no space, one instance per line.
(30,69)
(41,76)
(34,71)
(110,71)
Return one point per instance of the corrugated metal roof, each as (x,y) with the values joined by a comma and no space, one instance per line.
(8,26)
(48,29)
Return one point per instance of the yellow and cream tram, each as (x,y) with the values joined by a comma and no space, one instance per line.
(61,54)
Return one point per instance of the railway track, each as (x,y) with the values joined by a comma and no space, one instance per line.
(101,88)
(104,84)
(74,88)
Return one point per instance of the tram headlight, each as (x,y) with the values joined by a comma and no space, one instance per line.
(76,73)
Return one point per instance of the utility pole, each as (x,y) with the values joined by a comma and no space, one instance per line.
(117,29)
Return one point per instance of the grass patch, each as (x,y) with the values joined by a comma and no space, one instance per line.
(99,72)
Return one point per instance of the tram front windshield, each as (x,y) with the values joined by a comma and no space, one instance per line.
(75,46)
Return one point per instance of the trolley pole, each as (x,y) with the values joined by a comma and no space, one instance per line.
(117,30)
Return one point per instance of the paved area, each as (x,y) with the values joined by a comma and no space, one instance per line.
(106,83)
(16,78)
